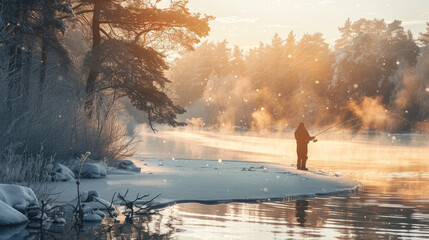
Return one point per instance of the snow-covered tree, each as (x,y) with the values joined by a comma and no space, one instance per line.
(363,67)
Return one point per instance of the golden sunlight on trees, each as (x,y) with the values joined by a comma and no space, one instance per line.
(128,42)
(374,65)
(69,67)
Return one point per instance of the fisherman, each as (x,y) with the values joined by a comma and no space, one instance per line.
(302,139)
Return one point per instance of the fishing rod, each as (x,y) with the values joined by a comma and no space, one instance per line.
(357,125)
(369,114)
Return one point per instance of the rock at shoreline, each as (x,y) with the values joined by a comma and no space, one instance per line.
(129,165)
(91,201)
(126,162)
(100,213)
(10,216)
(62,173)
(59,220)
(18,197)
(92,217)
(91,170)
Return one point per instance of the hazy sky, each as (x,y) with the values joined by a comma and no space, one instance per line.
(247,22)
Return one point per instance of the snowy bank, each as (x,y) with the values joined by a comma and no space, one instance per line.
(185,180)
(14,202)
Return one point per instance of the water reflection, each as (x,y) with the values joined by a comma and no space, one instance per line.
(301,206)
(393,205)
(158,226)
(356,216)
(393,169)
(366,216)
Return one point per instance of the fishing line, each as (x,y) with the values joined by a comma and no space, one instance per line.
(369,114)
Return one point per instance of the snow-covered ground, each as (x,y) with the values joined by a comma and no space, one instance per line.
(186,180)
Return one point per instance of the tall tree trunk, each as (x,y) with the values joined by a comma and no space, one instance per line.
(42,76)
(28,56)
(15,67)
(14,83)
(94,63)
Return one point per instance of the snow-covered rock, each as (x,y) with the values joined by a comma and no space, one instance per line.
(62,173)
(92,217)
(83,196)
(31,213)
(18,197)
(97,205)
(59,220)
(86,209)
(90,201)
(88,196)
(126,162)
(129,165)
(100,213)
(10,216)
(93,193)
(92,170)
(39,216)
(48,207)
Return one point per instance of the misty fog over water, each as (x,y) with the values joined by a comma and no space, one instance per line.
(393,168)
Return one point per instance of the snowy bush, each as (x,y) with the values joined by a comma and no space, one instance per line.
(22,168)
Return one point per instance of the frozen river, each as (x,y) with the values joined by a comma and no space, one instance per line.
(394,203)
(393,168)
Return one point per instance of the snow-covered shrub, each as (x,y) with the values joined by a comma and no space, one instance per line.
(22,168)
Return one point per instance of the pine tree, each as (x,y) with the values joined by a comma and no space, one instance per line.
(424,37)
(133,35)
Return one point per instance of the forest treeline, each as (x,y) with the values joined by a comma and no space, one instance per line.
(67,67)
(376,72)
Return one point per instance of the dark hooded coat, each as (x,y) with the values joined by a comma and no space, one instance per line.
(302,139)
